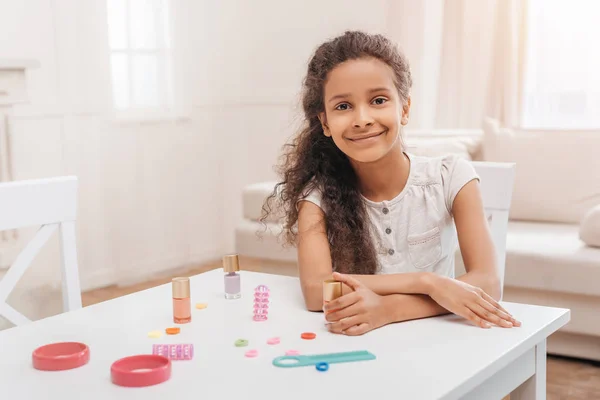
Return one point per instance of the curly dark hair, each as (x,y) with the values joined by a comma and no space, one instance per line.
(313,161)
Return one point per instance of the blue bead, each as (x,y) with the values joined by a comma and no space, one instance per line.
(322,366)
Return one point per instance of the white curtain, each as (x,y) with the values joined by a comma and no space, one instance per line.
(562,85)
(467,59)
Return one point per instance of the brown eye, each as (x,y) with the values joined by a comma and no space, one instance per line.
(379,101)
(343,107)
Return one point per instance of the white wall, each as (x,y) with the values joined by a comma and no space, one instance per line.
(150,195)
(163,194)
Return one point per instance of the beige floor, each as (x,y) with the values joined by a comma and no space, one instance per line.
(567,379)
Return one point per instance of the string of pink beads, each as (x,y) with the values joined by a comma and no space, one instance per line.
(261,303)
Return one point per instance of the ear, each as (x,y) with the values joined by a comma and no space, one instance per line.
(323,119)
(405,112)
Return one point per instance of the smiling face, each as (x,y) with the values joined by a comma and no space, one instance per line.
(363,110)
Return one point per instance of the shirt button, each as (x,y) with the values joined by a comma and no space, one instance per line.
(388,230)
(385,211)
(391,252)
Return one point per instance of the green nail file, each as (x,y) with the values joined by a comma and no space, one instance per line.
(332,358)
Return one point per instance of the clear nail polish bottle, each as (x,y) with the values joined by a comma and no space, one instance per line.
(231,267)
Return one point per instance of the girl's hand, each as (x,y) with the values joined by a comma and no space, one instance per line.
(357,312)
(471,303)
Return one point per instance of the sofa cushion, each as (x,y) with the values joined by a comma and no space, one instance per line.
(589,231)
(253,239)
(549,256)
(420,144)
(253,198)
(558,172)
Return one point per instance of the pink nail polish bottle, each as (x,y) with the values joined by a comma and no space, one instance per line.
(182,304)
(231,267)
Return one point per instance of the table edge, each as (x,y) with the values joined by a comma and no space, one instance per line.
(480,377)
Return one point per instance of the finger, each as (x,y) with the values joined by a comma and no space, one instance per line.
(348,280)
(498,311)
(490,308)
(342,325)
(489,313)
(358,330)
(493,302)
(475,319)
(342,302)
(349,311)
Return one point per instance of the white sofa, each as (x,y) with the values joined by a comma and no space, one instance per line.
(557,182)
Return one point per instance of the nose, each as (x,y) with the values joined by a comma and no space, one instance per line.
(362,118)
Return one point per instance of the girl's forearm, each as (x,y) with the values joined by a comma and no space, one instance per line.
(412,288)
(423,283)
(411,283)
(406,307)
(405,283)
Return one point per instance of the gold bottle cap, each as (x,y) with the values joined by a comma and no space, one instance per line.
(181,287)
(331,290)
(231,263)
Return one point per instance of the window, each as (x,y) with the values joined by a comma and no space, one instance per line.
(140,56)
(562,65)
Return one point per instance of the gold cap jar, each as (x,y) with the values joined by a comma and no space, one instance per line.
(231,263)
(331,290)
(181,287)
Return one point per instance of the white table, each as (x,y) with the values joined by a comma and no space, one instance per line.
(434,358)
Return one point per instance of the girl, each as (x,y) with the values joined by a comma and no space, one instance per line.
(384,220)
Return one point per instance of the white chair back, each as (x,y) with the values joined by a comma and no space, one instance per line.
(51,203)
(497,180)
